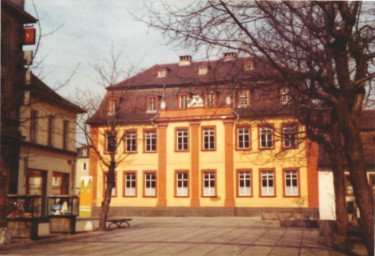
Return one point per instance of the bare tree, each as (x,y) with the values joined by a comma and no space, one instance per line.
(322,51)
(109,72)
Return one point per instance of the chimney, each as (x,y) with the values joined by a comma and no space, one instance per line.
(185,60)
(230,56)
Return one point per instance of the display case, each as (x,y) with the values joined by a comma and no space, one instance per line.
(62,213)
(23,214)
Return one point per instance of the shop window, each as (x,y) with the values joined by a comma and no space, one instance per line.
(60,183)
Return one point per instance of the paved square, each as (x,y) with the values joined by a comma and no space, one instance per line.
(186,236)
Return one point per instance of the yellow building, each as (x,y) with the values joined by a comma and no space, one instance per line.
(48,149)
(203,138)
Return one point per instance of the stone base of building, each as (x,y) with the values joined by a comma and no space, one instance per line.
(204,211)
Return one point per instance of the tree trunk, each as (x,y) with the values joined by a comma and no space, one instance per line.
(337,158)
(107,197)
(350,123)
(339,186)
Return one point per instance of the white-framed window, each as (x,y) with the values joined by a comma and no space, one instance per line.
(267,183)
(184,100)
(130,188)
(150,141)
(289,136)
(112,105)
(210,100)
(243,138)
(84,152)
(243,98)
(291,183)
(266,137)
(84,166)
(130,141)
(244,183)
(150,184)
(182,184)
(182,143)
(285,96)
(208,138)
(162,73)
(209,183)
(203,70)
(151,104)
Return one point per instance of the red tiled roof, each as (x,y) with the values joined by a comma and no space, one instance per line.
(218,71)
(222,77)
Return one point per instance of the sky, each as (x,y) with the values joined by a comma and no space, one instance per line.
(83,32)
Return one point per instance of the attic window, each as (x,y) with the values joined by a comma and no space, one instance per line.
(112,106)
(249,65)
(162,73)
(203,70)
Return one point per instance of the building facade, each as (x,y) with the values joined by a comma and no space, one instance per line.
(48,149)
(203,138)
(13,20)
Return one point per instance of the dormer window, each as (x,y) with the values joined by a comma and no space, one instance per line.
(243,98)
(210,100)
(203,70)
(162,73)
(285,96)
(184,100)
(249,65)
(112,105)
(152,104)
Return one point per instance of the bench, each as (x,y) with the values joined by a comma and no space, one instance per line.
(118,221)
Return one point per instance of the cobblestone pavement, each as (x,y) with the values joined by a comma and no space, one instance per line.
(187,236)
